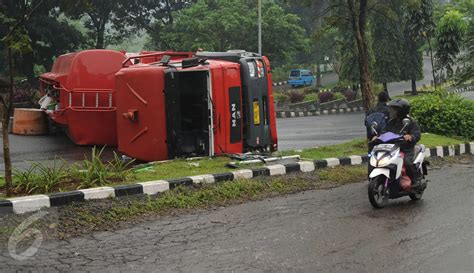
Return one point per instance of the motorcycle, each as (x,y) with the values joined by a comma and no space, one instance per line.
(386,165)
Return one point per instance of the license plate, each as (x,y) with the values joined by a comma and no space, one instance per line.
(256,113)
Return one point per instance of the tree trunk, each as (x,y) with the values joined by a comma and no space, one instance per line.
(6,110)
(100,38)
(435,81)
(318,76)
(359,19)
(414,92)
(385,87)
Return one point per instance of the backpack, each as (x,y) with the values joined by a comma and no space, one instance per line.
(381,120)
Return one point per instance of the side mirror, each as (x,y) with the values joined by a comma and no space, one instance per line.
(373,126)
(406,122)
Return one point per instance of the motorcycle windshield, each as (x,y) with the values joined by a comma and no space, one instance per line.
(386,137)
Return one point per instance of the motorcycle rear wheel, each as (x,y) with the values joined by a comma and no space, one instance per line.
(378,199)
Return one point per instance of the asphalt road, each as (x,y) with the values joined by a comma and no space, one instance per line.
(316,231)
(308,132)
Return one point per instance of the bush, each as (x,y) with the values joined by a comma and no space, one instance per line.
(296,96)
(338,96)
(282,98)
(41,177)
(311,97)
(350,95)
(445,114)
(325,97)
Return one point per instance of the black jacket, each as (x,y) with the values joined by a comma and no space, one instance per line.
(380,107)
(396,124)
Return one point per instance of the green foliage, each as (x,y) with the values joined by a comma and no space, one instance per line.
(311,97)
(119,168)
(281,97)
(41,177)
(449,36)
(388,55)
(338,96)
(93,172)
(231,24)
(445,114)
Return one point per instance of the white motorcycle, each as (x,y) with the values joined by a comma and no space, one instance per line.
(385,171)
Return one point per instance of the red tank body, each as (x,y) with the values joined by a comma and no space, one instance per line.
(82,83)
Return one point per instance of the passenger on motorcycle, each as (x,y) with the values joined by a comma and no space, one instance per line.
(398,110)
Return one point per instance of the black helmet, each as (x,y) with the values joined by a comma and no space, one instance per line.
(402,104)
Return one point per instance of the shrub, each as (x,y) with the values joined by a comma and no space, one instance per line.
(282,98)
(338,96)
(296,96)
(445,114)
(350,95)
(325,97)
(309,90)
(311,97)
(96,172)
(41,177)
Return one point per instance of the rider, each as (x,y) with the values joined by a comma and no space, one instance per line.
(378,113)
(399,110)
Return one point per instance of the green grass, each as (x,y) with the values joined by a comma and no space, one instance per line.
(182,168)
(220,194)
(354,147)
(359,147)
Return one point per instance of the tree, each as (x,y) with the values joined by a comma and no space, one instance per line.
(353,15)
(466,72)
(412,47)
(231,24)
(15,40)
(422,25)
(388,54)
(152,16)
(449,36)
(43,31)
(100,18)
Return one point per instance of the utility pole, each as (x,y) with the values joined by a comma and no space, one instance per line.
(260,27)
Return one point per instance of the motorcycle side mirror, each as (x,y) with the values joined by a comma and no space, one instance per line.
(406,121)
(373,126)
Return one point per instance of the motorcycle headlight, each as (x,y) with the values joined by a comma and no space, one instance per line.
(383,162)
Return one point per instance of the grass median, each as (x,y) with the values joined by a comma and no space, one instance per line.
(99,173)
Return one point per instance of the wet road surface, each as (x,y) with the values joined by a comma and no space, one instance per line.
(308,132)
(316,231)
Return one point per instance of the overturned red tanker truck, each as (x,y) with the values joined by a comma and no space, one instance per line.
(168,105)
(81,95)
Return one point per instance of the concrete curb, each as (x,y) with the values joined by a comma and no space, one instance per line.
(280,83)
(31,203)
(462,89)
(293,114)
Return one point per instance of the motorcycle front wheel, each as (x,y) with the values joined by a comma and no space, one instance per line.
(377,195)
